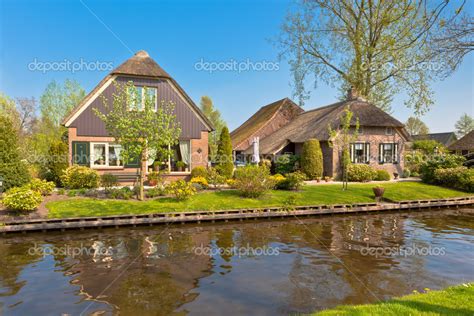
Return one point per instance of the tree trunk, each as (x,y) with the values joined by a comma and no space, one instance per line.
(142,176)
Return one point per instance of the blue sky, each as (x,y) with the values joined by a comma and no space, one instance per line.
(179,34)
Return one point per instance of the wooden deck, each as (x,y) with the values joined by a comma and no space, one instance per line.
(224,215)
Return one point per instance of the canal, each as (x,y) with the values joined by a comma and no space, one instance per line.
(264,267)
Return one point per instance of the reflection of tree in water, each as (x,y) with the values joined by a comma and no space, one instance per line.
(225,241)
(14,257)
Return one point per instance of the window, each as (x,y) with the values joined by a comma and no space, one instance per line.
(360,152)
(137,96)
(388,153)
(389,131)
(105,155)
(178,161)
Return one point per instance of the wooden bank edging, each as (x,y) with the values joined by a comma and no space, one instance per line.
(223,215)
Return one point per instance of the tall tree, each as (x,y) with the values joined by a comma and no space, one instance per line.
(415,126)
(26,108)
(8,109)
(59,99)
(464,125)
(225,164)
(144,133)
(341,138)
(378,47)
(207,107)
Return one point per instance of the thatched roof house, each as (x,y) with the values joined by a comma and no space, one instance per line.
(464,145)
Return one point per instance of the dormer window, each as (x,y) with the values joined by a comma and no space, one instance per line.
(138,95)
(389,131)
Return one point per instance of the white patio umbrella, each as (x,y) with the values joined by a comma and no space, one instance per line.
(256,150)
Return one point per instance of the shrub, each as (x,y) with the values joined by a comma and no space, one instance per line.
(78,177)
(22,199)
(199,171)
(93,193)
(108,181)
(312,159)
(225,164)
(214,178)
(42,186)
(56,162)
(428,146)
(266,163)
(12,169)
(181,190)
(230,183)
(460,178)
(406,173)
(201,181)
(427,168)
(154,192)
(415,174)
(72,193)
(82,191)
(360,173)
(293,181)
(277,178)
(253,180)
(382,175)
(124,193)
(61,191)
(286,163)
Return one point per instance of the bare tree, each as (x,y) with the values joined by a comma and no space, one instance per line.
(26,108)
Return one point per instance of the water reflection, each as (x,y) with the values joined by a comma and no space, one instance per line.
(316,263)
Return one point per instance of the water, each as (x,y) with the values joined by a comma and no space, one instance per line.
(252,267)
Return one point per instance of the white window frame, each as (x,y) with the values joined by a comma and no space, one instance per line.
(143,94)
(366,149)
(395,153)
(92,158)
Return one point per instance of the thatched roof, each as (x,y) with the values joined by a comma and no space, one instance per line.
(140,65)
(315,123)
(464,143)
(444,138)
(259,120)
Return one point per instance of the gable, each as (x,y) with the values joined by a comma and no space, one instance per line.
(88,124)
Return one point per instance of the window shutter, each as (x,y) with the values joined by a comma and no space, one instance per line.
(395,153)
(381,153)
(367,152)
(80,153)
(352,152)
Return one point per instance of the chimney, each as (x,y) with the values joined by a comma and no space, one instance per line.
(352,93)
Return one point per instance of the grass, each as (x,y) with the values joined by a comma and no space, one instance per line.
(229,199)
(456,300)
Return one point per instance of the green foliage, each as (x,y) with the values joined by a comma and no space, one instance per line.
(78,177)
(108,181)
(293,181)
(312,159)
(56,161)
(61,191)
(42,186)
(360,173)
(277,179)
(155,192)
(215,118)
(22,199)
(464,125)
(225,164)
(428,146)
(214,178)
(72,193)
(180,164)
(253,180)
(428,167)
(415,126)
(199,171)
(201,181)
(287,163)
(141,132)
(406,173)
(460,178)
(124,193)
(382,175)
(13,170)
(181,190)
(413,161)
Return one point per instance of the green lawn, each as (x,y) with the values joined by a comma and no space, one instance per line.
(229,199)
(456,300)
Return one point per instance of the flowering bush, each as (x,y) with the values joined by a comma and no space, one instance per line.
(201,181)
(79,177)
(360,173)
(277,178)
(293,181)
(42,186)
(253,180)
(214,178)
(230,183)
(22,199)
(460,178)
(181,190)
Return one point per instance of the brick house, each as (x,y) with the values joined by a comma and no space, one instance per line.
(90,144)
(380,142)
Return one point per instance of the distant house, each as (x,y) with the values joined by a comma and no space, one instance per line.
(91,145)
(444,138)
(264,122)
(380,142)
(464,145)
